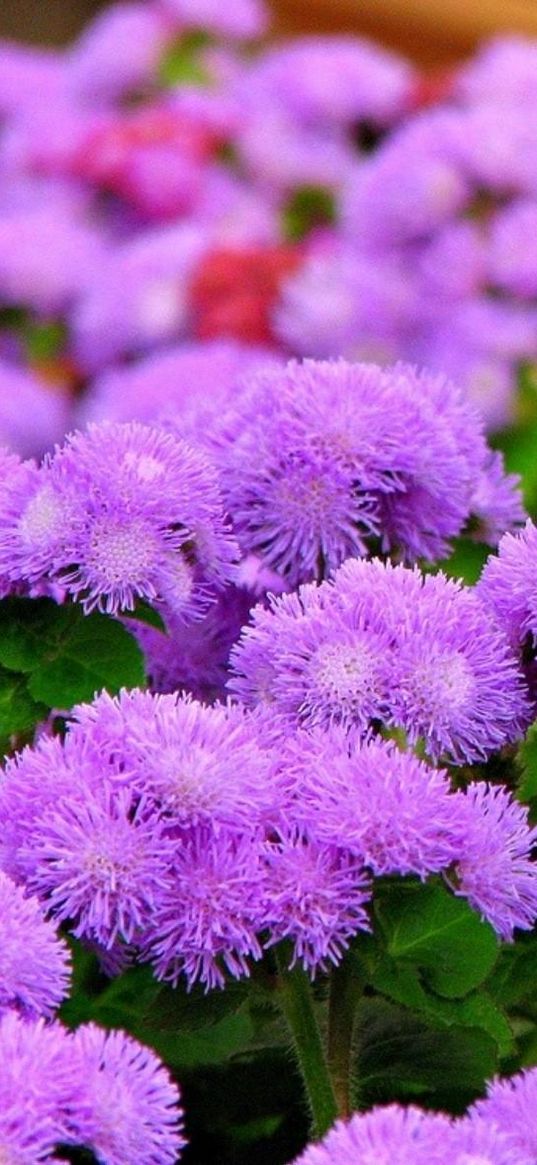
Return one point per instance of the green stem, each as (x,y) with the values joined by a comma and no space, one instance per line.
(345,991)
(295,998)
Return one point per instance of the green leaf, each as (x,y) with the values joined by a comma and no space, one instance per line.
(68,656)
(19,712)
(466,561)
(526,760)
(183,63)
(427,926)
(402,1057)
(307,207)
(514,977)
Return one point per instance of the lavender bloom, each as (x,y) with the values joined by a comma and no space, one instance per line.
(34,961)
(315,897)
(323,457)
(245,19)
(118,51)
(47,278)
(509,1111)
(194,658)
(282,154)
(495,871)
(507,585)
(37,1088)
(189,382)
(102,507)
(191,763)
(387,808)
(137,298)
(32,415)
(339,79)
(130,1112)
(497,505)
(498,155)
(98,860)
(504,66)
(206,920)
(408,1136)
(458,686)
(511,259)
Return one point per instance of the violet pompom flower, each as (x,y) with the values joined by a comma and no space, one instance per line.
(405,1135)
(207,919)
(509,1110)
(190,763)
(129,1112)
(243,20)
(32,415)
(97,860)
(35,519)
(118,51)
(38,1088)
(324,458)
(386,807)
(122,513)
(315,897)
(495,870)
(507,586)
(34,961)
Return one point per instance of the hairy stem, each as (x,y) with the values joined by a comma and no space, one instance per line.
(345,992)
(296,1001)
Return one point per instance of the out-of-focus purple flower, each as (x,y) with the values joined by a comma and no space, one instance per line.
(496,872)
(390,810)
(98,519)
(46,258)
(508,1110)
(282,154)
(190,763)
(130,1112)
(511,260)
(344,302)
(316,895)
(452,264)
(28,76)
(497,504)
(331,79)
(498,155)
(243,20)
(505,67)
(407,1136)
(32,415)
(38,1089)
(118,51)
(138,298)
(413,185)
(507,585)
(34,961)
(191,381)
(207,919)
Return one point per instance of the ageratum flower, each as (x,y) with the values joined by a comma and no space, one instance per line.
(121,513)
(191,763)
(37,1088)
(34,961)
(509,1109)
(207,918)
(387,808)
(323,459)
(507,586)
(315,897)
(408,1136)
(495,870)
(130,1113)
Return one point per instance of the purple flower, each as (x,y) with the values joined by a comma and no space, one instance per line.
(407,1136)
(207,919)
(315,896)
(509,1110)
(246,19)
(118,51)
(98,519)
(32,415)
(322,458)
(34,961)
(503,67)
(507,586)
(191,763)
(37,1088)
(495,870)
(130,1113)
(386,807)
(46,278)
(511,258)
(97,860)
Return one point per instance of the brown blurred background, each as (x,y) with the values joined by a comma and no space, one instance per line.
(431,31)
